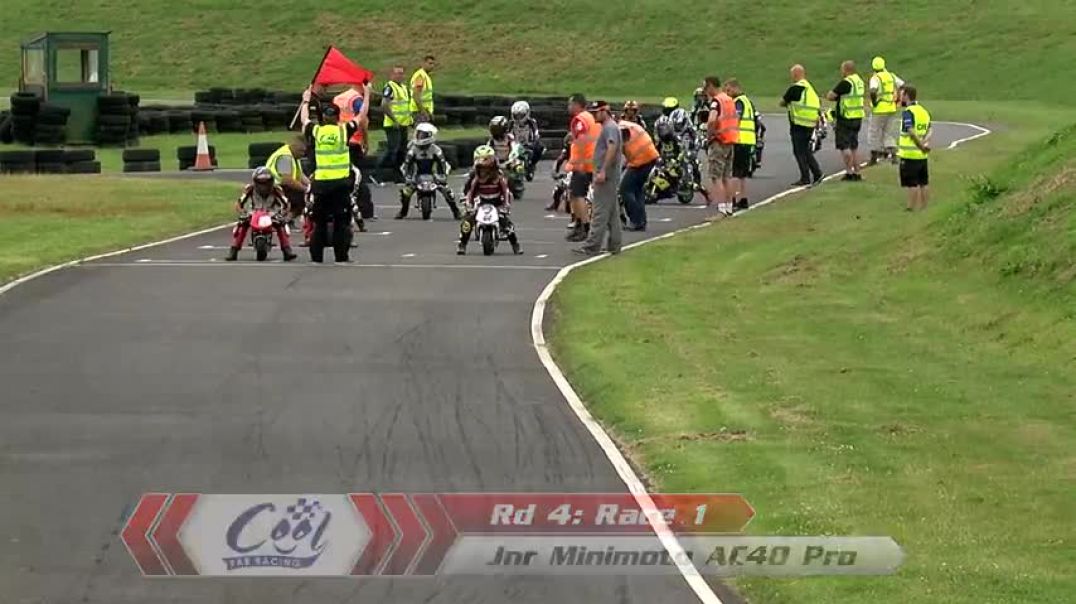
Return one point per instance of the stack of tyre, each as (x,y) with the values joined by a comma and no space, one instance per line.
(24,108)
(117,119)
(7,136)
(51,126)
(49,161)
(141,160)
(258,153)
(152,122)
(188,155)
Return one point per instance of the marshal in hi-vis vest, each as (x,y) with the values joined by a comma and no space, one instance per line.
(331,158)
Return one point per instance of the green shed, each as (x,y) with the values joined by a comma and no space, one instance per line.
(69,69)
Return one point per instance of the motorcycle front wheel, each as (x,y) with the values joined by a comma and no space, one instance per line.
(261,248)
(426,205)
(489,241)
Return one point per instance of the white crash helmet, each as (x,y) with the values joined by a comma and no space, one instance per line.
(679,119)
(425,134)
(521,110)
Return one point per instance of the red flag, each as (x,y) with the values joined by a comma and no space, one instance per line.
(337,69)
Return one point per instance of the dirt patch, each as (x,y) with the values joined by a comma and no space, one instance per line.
(722,436)
(81,210)
(792,418)
(898,430)
(1025,201)
(799,271)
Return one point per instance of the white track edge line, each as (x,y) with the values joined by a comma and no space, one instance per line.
(691,575)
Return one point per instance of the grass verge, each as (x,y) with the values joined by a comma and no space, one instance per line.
(47,220)
(853,369)
(951,48)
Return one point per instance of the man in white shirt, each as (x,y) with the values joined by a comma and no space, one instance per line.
(884,92)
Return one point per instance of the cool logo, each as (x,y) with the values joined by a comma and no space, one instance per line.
(294,539)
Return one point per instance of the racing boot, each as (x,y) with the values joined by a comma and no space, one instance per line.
(516,249)
(233,254)
(288,254)
(450,199)
(405,205)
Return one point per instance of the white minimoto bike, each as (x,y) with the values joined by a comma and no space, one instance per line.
(488,224)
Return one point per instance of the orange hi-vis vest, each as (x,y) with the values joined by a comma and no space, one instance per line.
(640,149)
(345,101)
(728,123)
(581,156)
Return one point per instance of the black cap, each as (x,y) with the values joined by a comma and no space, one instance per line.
(596,105)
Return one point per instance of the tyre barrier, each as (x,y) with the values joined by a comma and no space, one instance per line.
(258,153)
(118,119)
(7,131)
(187,155)
(24,110)
(49,161)
(142,166)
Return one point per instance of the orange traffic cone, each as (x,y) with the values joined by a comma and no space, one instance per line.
(203,162)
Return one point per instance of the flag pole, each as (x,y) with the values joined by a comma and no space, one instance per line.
(299,109)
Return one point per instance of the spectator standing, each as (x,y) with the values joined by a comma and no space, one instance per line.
(723,129)
(885,122)
(640,155)
(584,130)
(804,111)
(607,153)
(849,94)
(743,152)
(914,149)
(422,90)
(396,105)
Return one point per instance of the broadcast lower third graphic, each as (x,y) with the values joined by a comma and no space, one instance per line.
(426,534)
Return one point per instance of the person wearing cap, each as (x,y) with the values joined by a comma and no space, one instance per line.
(331,184)
(884,90)
(849,95)
(606,208)
(584,130)
(914,149)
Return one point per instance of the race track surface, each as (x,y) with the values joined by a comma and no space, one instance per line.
(411,370)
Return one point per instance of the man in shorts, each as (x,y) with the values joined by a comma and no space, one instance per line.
(850,95)
(743,152)
(723,128)
(913,149)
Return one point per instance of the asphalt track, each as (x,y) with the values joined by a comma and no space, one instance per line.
(411,370)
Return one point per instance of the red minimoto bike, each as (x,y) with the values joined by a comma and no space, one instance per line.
(261,233)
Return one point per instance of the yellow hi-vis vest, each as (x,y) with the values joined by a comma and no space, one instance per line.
(887,94)
(331,158)
(747,121)
(427,91)
(400,104)
(296,169)
(804,112)
(907,148)
(852,107)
